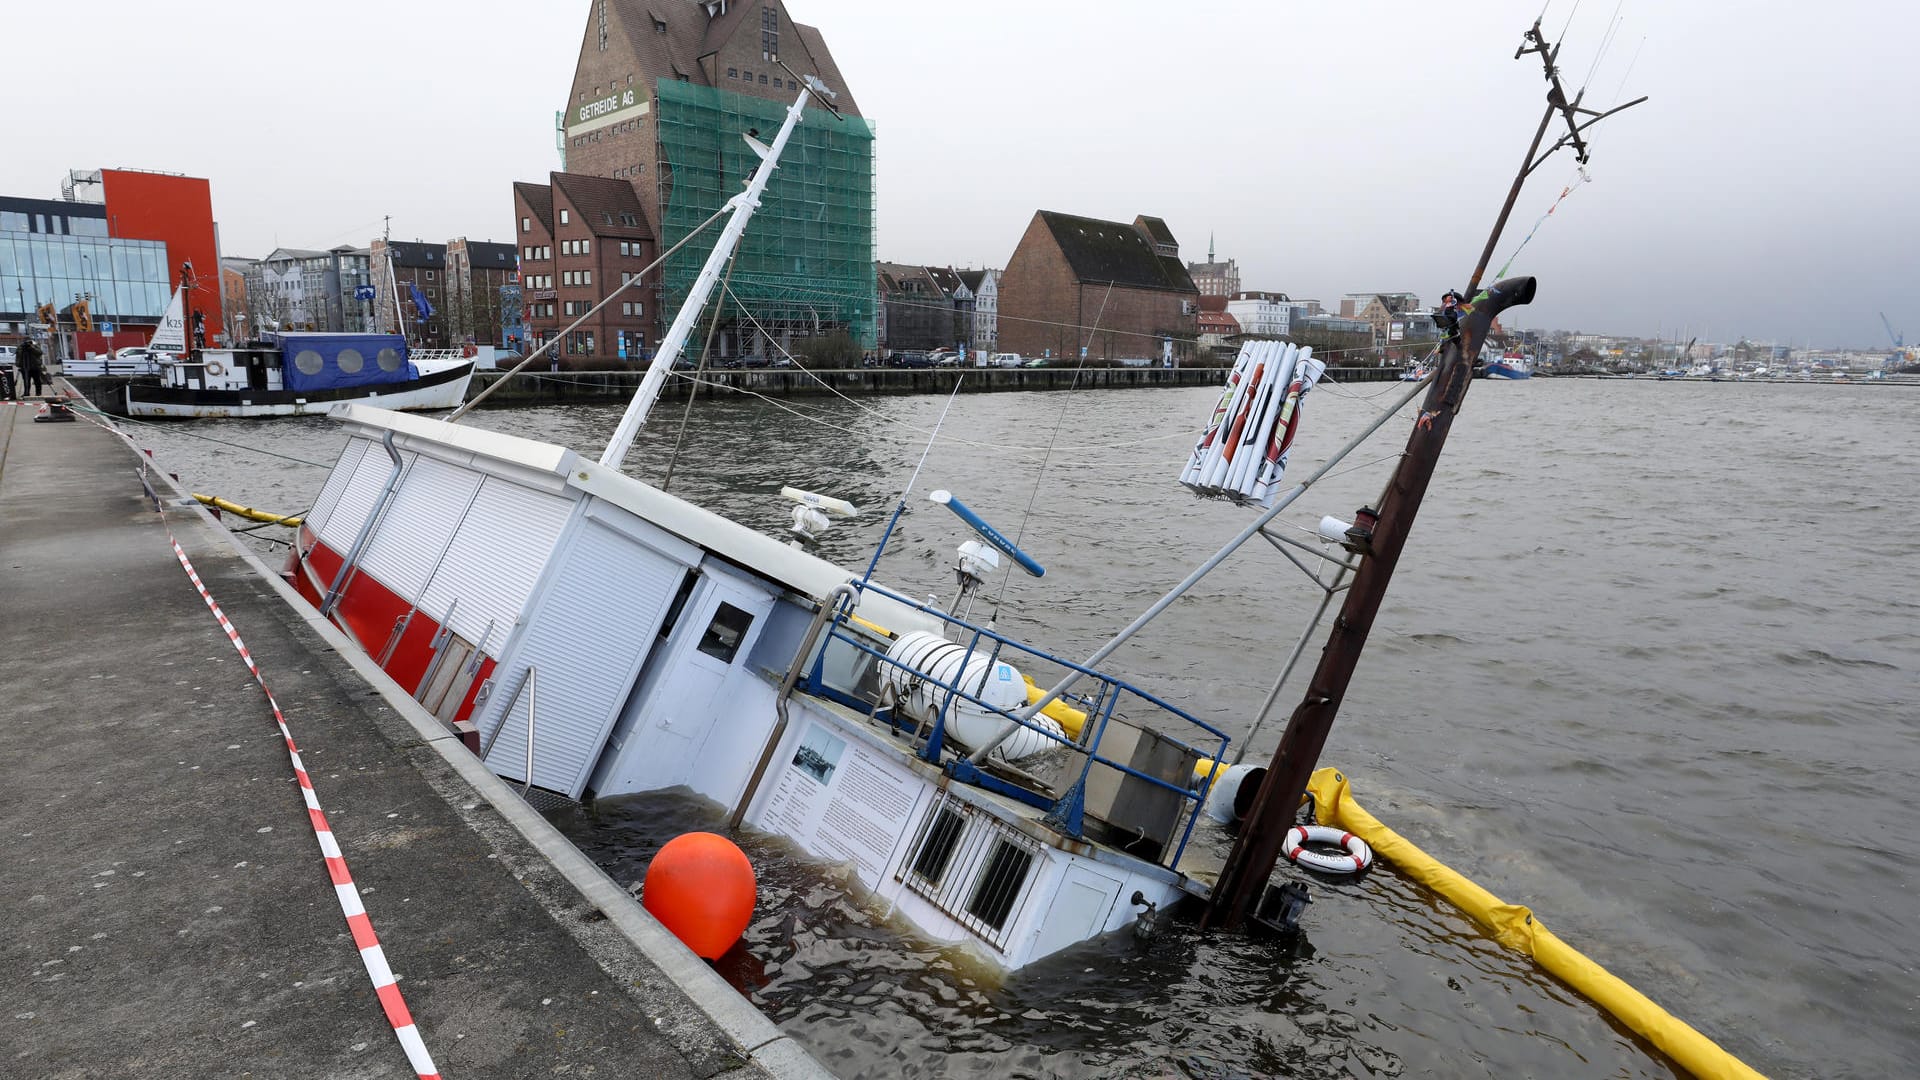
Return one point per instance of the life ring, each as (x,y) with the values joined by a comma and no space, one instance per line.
(216,368)
(1356,860)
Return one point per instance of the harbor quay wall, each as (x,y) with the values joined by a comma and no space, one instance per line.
(538,387)
(544,388)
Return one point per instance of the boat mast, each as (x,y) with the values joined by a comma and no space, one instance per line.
(744,204)
(1244,878)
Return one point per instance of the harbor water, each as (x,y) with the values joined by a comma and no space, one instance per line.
(1648,666)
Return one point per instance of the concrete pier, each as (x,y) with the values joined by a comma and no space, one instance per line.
(169,912)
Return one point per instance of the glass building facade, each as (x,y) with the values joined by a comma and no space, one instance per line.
(56,252)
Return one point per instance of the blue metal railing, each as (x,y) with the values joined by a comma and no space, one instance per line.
(1102,703)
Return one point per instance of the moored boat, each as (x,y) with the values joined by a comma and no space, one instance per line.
(303,373)
(1512,365)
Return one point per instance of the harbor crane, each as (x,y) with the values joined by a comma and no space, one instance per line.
(1899,342)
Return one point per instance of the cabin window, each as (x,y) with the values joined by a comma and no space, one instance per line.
(388,359)
(309,362)
(725,632)
(351,361)
(937,851)
(999,884)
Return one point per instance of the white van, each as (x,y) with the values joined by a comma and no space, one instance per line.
(1007,359)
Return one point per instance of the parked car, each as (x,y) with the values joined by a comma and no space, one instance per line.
(912,359)
(783,362)
(1038,361)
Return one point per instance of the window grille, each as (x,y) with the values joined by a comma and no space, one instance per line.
(971,865)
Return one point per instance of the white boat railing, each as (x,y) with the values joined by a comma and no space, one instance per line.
(435,356)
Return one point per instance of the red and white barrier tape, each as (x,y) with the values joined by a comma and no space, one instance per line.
(371,954)
(375,959)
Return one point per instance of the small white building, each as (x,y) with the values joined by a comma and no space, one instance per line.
(1262,314)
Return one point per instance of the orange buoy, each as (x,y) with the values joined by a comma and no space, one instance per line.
(701,887)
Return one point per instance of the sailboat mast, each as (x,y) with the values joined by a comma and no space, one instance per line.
(744,204)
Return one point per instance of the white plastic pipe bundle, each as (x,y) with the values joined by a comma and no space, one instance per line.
(1243,452)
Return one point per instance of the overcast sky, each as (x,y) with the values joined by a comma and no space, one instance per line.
(1767,190)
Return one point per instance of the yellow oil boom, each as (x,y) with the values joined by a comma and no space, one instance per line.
(248,512)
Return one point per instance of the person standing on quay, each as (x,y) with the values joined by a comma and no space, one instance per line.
(33,373)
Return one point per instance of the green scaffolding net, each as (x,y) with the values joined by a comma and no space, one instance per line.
(805,265)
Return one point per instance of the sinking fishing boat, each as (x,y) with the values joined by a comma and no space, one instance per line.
(591,635)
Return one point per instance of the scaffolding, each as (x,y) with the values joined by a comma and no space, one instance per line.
(805,266)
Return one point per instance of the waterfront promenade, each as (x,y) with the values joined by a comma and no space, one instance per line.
(169,911)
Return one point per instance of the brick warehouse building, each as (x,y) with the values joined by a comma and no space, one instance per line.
(580,238)
(1117,290)
(661,94)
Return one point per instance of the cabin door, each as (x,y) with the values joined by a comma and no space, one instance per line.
(684,706)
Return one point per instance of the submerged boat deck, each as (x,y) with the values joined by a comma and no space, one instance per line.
(171,911)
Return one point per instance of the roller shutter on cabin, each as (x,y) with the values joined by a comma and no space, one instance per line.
(502,544)
(343,472)
(358,498)
(586,637)
(406,545)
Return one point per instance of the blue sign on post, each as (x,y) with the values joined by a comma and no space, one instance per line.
(622,340)
(106,328)
(363,292)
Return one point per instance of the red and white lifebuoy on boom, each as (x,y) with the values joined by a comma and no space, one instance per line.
(1357,855)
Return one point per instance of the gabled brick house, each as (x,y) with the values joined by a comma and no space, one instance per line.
(1118,290)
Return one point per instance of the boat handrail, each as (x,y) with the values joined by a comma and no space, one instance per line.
(1064,809)
(530,684)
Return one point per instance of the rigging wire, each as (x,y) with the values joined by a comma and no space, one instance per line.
(1040,471)
(1606,42)
(193,435)
(713,325)
(930,306)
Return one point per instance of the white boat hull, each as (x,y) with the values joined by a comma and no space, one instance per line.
(442,390)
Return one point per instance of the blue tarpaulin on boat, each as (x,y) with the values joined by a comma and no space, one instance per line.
(332,361)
